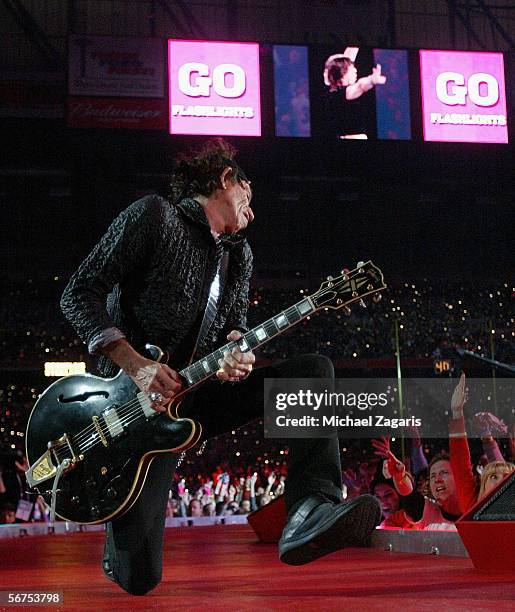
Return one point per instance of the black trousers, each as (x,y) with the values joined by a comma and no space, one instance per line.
(135,541)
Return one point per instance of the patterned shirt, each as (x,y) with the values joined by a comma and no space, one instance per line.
(148,279)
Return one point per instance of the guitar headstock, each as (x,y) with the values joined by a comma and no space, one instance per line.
(351,286)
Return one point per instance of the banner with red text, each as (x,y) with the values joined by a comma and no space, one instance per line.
(115,66)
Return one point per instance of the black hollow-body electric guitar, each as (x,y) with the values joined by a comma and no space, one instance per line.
(90,440)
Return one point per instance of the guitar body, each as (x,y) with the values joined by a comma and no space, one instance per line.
(90,440)
(103,482)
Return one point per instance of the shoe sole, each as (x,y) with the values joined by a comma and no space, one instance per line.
(349,527)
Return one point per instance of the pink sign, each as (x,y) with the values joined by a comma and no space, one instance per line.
(214,88)
(463,96)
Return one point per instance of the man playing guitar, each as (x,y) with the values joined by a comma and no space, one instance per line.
(176,273)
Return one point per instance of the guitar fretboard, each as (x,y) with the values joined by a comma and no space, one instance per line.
(204,368)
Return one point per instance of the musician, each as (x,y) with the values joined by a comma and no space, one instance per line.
(160,269)
(346,113)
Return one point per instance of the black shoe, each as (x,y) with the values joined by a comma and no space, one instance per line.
(317,527)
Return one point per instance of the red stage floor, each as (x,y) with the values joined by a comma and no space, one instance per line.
(223,568)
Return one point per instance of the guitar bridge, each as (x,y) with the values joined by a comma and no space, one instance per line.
(98,429)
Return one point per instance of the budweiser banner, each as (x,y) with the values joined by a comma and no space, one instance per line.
(214,88)
(128,113)
(111,66)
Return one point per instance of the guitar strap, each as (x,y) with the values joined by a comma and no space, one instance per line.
(214,297)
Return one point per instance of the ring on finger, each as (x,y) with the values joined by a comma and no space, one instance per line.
(156,397)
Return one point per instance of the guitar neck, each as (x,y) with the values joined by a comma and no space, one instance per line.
(205,367)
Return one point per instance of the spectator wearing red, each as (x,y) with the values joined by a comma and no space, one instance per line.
(469,492)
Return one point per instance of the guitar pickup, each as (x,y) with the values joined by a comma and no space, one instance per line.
(113,422)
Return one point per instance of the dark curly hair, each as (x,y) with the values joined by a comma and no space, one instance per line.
(198,170)
(336,70)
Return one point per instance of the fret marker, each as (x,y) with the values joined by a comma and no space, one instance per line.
(206,366)
(242,343)
(304,307)
(260,333)
(281,321)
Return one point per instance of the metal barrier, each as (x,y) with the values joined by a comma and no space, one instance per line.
(20,530)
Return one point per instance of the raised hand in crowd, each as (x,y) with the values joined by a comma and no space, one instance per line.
(418,461)
(353,483)
(271,480)
(459,398)
(279,490)
(487,424)
(414,435)
(392,467)
(252,487)
(222,485)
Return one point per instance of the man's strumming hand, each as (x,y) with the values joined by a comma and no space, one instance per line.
(148,375)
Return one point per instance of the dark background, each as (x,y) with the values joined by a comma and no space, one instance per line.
(439,210)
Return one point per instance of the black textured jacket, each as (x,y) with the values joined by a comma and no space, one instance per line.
(149,277)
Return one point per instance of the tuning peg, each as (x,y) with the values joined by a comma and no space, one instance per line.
(377,297)
(347,311)
(362,304)
(359,264)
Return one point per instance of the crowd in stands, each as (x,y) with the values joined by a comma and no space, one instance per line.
(429,488)
(430,317)
(241,471)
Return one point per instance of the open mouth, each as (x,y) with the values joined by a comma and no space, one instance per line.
(440,489)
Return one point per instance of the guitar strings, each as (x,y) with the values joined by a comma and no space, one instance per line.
(84,437)
(85,434)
